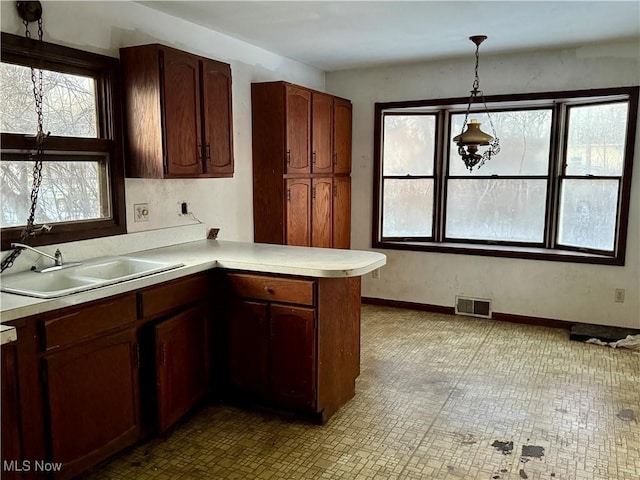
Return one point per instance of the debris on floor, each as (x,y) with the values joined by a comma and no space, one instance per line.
(582,332)
(505,447)
(631,341)
(627,414)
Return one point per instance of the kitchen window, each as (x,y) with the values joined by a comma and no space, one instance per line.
(558,190)
(82,190)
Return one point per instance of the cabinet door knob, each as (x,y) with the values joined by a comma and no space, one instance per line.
(313,158)
(288,157)
(268,290)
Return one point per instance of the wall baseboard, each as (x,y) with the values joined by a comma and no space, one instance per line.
(502,317)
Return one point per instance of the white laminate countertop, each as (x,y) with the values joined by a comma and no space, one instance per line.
(203,255)
(7,334)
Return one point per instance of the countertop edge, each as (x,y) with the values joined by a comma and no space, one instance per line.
(200,256)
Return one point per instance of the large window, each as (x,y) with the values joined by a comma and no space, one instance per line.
(82,190)
(558,190)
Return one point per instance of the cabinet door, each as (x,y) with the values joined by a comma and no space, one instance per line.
(321,224)
(218,123)
(181,114)
(341,136)
(182,364)
(248,347)
(298,212)
(92,400)
(292,348)
(298,130)
(342,212)
(11,434)
(322,122)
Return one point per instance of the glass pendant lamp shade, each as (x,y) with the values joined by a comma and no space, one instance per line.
(473,135)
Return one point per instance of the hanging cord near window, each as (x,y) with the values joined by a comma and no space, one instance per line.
(30,12)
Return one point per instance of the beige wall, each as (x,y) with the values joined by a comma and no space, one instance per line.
(565,291)
(104,27)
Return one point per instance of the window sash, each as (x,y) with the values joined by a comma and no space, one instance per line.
(105,71)
(551,248)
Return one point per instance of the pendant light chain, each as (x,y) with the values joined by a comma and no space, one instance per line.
(37,156)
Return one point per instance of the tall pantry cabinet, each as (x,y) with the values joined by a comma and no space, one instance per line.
(301,166)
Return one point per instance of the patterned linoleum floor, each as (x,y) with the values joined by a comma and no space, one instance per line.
(439,397)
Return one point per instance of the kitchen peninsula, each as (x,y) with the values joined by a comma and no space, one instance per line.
(102,369)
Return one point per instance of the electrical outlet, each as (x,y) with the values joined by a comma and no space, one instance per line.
(141,212)
(375,274)
(184,208)
(619,297)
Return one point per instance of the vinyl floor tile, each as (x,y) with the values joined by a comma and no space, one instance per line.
(439,397)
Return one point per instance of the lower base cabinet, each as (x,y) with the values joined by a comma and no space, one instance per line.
(183,366)
(11,430)
(84,382)
(92,400)
(291,342)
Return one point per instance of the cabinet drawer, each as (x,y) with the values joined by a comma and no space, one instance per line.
(88,321)
(273,288)
(174,295)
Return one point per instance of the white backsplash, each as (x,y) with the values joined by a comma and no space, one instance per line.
(115,245)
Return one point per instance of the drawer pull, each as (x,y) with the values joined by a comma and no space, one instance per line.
(268,290)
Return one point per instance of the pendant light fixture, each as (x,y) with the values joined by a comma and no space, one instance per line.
(470,141)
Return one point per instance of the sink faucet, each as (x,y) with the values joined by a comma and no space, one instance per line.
(56,257)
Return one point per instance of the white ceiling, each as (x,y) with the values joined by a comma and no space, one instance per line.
(338,35)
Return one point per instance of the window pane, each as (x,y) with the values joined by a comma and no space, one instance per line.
(408,208)
(588,210)
(69,103)
(70,191)
(525,137)
(596,140)
(501,210)
(409,144)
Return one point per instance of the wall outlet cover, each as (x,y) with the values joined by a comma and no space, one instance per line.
(141,212)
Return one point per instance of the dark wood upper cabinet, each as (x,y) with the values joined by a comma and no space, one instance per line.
(181,113)
(218,138)
(298,130)
(321,154)
(342,136)
(177,110)
(301,153)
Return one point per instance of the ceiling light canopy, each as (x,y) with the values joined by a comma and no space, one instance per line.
(470,141)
